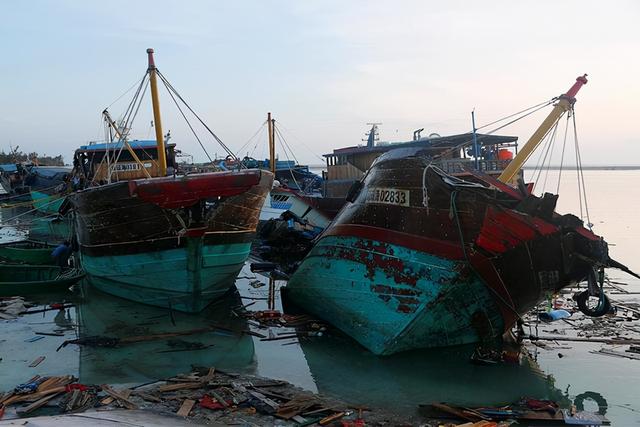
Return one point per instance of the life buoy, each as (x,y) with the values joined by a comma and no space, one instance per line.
(592,395)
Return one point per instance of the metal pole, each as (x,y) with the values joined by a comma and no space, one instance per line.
(162,157)
(272,144)
(475,140)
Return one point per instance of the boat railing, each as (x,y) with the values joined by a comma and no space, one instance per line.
(452,166)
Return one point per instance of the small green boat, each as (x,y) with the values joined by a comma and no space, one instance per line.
(27,252)
(22,279)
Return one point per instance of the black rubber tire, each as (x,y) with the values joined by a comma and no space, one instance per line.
(582,298)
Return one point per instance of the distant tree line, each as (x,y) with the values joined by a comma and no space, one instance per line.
(20,157)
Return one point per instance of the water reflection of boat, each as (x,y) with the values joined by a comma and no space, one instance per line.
(24,279)
(104,315)
(402,381)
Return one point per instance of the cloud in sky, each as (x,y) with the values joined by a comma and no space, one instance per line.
(323,68)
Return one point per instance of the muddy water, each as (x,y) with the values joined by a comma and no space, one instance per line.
(335,364)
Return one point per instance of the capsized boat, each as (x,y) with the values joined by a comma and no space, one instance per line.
(170,241)
(420,257)
(22,279)
(27,252)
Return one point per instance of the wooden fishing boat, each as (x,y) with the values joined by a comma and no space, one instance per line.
(422,258)
(159,238)
(22,279)
(31,252)
(44,186)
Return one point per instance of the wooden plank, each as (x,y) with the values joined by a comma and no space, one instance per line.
(122,399)
(38,403)
(33,396)
(261,397)
(186,407)
(148,397)
(209,375)
(37,362)
(455,412)
(331,418)
(179,386)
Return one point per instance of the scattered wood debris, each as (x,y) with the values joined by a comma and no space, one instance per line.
(204,395)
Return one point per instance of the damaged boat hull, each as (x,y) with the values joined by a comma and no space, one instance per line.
(419,258)
(413,300)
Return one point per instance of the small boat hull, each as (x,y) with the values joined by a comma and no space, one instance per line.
(27,252)
(179,278)
(409,299)
(46,203)
(20,279)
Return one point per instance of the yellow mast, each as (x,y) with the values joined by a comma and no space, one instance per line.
(272,143)
(162,157)
(564,104)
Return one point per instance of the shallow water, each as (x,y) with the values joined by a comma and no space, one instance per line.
(334,364)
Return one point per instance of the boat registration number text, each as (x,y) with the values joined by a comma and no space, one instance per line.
(390,196)
(124,167)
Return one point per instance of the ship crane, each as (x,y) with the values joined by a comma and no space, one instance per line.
(564,104)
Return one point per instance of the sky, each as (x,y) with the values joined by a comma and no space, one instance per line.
(323,68)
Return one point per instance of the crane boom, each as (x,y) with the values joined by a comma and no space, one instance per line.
(565,103)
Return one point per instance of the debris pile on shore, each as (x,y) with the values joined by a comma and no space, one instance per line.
(204,395)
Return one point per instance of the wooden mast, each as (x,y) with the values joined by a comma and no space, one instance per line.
(272,143)
(162,157)
(564,104)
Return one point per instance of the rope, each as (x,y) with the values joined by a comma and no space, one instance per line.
(543,104)
(580,174)
(302,141)
(188,123)
(284,141)
(222,144)
(454,207)
(250,139)
(126,92)
(26,212)
(564,143)
(519,118)
(542,157)
(277,132)
(466,143)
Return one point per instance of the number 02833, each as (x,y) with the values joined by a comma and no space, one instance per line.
(389,196)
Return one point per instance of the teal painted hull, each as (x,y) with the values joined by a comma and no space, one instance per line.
(390,298)
(51,229)
(184,279)
(46,203)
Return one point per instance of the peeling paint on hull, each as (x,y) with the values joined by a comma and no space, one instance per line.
(415,300)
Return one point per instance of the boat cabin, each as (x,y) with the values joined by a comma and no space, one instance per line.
(346,165)
(106,162)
